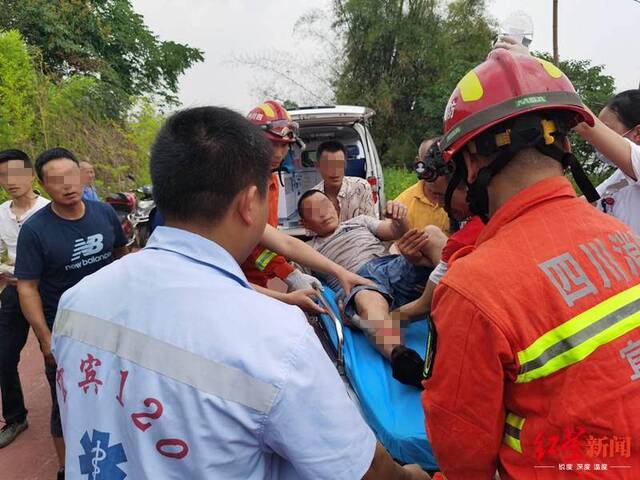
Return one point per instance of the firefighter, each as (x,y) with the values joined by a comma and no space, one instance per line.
(274,120)
(537,346)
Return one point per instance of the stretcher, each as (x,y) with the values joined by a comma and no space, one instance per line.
(392,410)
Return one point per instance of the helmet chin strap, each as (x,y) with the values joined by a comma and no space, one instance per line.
(280,168)
(478,193)
(526,132)
(459,175)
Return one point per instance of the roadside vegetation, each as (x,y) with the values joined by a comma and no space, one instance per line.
(92,77)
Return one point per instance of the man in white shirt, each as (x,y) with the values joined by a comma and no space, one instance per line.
(171,366)
(16,177)
(351,196)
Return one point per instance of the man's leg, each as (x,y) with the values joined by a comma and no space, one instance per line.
(56,424)
(14,330)
(375,320)
(58,443)
(433,249)
(373,309)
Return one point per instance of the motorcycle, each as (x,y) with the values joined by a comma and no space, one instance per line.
(124,204)
(140,217)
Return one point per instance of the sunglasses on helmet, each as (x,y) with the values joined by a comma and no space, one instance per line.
(282,128)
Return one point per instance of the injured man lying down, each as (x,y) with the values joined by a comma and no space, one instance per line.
(360,245)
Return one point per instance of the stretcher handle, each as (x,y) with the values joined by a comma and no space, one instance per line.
(338,324)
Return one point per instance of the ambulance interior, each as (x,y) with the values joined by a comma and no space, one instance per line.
(302,175)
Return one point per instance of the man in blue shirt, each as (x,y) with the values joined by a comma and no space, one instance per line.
(88,176)
(174,367)
(57,247)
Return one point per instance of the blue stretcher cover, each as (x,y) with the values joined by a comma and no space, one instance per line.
(391,409)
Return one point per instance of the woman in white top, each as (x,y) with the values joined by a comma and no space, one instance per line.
(16,178)
(616,137)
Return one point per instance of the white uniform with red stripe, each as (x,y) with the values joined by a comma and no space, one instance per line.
(171,366)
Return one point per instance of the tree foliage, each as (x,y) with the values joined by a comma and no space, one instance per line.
(17,89)
(403,59)
(106,40)
(37,113)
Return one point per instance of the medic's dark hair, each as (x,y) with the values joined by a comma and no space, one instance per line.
(202,158)
(626,106)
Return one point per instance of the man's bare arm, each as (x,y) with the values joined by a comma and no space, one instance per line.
(609,143)
(419,308)
(299,298)
(396,225)
(298,251)
(31,305)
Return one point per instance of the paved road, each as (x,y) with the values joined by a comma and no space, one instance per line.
(31,456)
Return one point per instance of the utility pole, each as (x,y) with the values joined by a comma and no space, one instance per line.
(556,56)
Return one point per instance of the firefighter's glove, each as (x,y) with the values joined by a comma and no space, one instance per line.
(301,281)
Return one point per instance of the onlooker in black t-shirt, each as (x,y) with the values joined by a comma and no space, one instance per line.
(57,247)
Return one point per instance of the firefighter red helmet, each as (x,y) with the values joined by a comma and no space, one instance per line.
(506,86)
(274,119)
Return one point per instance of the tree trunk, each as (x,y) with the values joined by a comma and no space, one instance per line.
(556,55)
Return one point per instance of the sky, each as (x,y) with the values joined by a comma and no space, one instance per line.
(234,32)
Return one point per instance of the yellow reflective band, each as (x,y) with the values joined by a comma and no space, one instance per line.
(550,68)
(512,431)
(267,110)
(513,443)
(264,258)
(580,336)
(470,87)
(515,421)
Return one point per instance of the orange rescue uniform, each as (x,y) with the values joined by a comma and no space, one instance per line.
(537,367)
(263,264)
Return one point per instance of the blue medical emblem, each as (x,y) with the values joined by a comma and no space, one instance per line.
(100,461)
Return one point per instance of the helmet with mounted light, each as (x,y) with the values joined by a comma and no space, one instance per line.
(433,164)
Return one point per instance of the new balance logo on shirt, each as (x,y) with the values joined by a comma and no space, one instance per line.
(89,247)
(83,248)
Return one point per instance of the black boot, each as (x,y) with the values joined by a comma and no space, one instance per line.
(407,366)
(10,431)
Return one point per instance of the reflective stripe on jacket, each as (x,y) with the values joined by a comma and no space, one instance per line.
(537,364)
